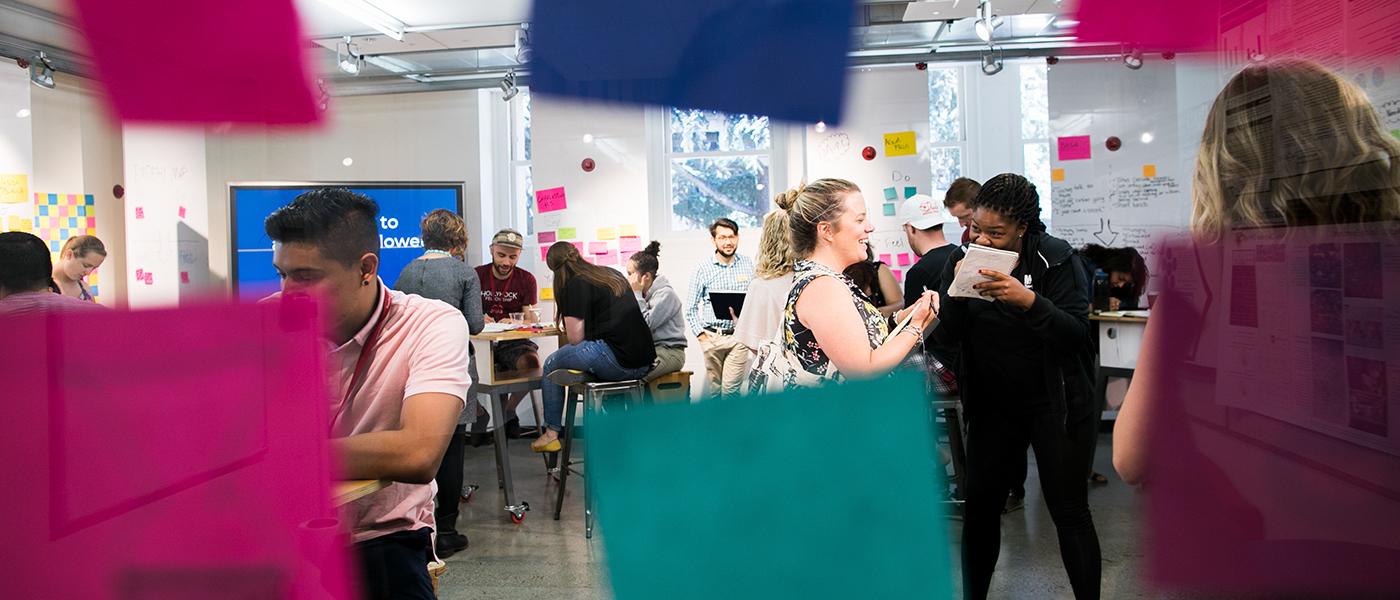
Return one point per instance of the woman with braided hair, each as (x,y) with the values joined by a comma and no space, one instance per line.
(1025,380)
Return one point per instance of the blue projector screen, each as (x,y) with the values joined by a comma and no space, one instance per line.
(401,209)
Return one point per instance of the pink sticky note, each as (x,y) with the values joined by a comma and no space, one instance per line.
(904,259)
(184,276)
(140,275)
(887,259)
(629,245)
(898,275)
(149,278)
(597,247)
(91,222)
(578,245)
(592,260)
(140,213)
(544,253)
(200,90)
(182,212)
(1074,147)
(547,237)
(608,259)
(189,426)
(550,200)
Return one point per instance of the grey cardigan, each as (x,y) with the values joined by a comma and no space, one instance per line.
(661,306)
(455,283)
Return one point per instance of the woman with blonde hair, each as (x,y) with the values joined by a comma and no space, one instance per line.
(828,325)
(767,294)
(1287,143)
(608,336)
(80,256)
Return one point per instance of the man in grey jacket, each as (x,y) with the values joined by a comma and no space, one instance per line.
(661,306)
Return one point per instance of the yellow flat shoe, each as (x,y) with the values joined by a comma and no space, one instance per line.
(552,446)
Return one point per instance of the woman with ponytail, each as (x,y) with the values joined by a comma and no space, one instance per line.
(661,307)
(608,337)
(1025,379)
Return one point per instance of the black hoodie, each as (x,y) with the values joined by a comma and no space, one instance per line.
(1025,361)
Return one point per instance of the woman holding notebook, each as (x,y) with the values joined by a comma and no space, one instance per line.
(1025,378)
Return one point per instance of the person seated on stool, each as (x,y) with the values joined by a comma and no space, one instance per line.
(608,337)
(661,307)
(398,363)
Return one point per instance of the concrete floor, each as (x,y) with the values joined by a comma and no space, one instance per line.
(543,559)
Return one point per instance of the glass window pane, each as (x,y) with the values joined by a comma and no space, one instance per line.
(944,118)
(1037,169)
(1035,102)
(947,166)
(705,189)
(520,129)
(711,131)
(524,186)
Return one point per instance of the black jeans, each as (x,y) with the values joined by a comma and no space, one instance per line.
(449,482)
(996,445)
(395,566)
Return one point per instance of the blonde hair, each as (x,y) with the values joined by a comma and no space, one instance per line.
(81,245)
(809,204)
(1290,143)
(775,256)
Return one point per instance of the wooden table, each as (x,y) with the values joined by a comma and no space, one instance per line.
(497,386)
(347,491)
(1120,341)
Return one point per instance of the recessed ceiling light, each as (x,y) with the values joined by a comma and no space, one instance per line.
(347,161)
(23,112)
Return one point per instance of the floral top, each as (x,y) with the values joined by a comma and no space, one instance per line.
(798,339)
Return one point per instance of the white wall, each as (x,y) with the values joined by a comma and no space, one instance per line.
(16,146)
(167,215)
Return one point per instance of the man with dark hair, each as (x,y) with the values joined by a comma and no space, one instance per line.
(728,272)
(400,367)
(25,277)
(958,201)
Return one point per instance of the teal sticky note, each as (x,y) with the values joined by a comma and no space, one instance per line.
(889,209)
(910,190)
(720,500)
(891,193)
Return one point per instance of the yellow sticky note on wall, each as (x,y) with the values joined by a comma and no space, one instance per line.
(900,144)
(607,233)
(547,293)
(1057,175)
(14,188)
(1149,170)
(627,230)
(19,224)
(568,233)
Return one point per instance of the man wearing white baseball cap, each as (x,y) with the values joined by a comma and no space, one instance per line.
(925,222)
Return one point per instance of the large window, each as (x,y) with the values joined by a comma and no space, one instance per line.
(718,166)
(522,184)
(946,126)
(1035,131)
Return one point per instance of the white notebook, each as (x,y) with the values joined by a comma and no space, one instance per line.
(978,258)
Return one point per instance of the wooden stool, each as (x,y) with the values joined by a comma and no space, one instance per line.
(671,387)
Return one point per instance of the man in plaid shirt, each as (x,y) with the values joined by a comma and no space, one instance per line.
(728,272)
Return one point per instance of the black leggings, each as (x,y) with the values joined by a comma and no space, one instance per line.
(996,444)
(449,482)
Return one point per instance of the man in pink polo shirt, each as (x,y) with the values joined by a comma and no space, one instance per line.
(399,367)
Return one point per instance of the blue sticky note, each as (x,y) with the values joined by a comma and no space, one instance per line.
(891,193)
(782,58)
(889,209)
(720,500)
(910,190)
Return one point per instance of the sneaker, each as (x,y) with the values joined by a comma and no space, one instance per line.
(1013,504)
(450,543)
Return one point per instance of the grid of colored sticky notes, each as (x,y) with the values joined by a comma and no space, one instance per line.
(568,233)
(891,193)
(1073,147)
(910,190)
(900,144)
(1057,175)
(889,209)
(607,233)
(608,258)
(627,230)
(547,293)
(1149,171)
(673,529)
(629,245)
(598,247)
(550,200)
(904,259)
(547,237)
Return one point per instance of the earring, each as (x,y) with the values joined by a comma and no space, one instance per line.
(365,282)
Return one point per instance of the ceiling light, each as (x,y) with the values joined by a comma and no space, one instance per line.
(991,63)
(1133,59)
(522,44)
(986,22)
(347,161)
(1063,23)
(1147,137)
(23,112)
(507,85)
(588,138)
(371,15)
(348,56)
(820,126)
(41,72)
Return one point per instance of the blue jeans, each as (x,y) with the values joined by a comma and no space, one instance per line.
(592,356)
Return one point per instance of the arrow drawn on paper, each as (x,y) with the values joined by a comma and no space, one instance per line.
(1106,225)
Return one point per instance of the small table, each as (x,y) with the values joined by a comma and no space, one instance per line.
(498,387)
(1120,341)
(347,491)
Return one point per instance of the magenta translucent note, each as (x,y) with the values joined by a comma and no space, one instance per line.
(250,66)
(171,453)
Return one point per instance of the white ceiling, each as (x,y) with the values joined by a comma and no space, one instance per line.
(319,19)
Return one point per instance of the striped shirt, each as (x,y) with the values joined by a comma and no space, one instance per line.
(25,303)
(715,276)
